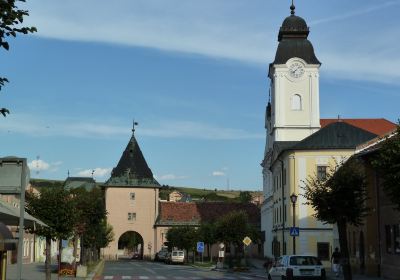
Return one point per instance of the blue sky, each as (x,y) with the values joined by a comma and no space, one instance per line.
(192,73)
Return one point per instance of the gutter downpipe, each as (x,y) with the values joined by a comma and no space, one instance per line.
(283,209)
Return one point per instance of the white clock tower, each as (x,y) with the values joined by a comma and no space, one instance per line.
(292,114)
(293,110)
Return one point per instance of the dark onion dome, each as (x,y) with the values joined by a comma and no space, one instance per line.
(293,41)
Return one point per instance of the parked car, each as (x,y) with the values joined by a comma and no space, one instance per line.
(136,256)
(161,255)
(176,256)
(291,267)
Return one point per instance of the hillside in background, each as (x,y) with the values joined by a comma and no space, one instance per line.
(196,194)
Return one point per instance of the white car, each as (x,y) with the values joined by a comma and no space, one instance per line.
(293,267)
(175,257)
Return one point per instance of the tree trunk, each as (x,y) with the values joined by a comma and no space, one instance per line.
(209,252)
(344,250)
(83,251)
(75,242)
(47,263)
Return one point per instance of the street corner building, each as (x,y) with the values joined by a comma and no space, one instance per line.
(300,144)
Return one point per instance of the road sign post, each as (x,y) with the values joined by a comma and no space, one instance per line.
(294,231)
(200,249)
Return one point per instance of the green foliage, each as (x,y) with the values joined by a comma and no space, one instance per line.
(104,234)
(90,211)
(213,196)
(245,197)
(54,207)
(41,183)
(341,196)
(234,227)
(387,162)
(206,233)
(11,18)
(183,237)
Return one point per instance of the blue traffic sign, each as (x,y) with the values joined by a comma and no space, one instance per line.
(294,231)
(200,247)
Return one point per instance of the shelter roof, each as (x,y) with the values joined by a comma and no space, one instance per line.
(9,215)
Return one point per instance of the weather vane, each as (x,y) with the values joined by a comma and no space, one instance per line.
(133,127)
(292,8)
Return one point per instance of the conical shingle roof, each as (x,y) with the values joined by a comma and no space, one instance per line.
(132,168)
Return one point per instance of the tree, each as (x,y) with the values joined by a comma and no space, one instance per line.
(233,228)
(339,198)
(245,197)
(206,233)
(10,19)
(91,223)
(183,237)
(387,162)
(54,207)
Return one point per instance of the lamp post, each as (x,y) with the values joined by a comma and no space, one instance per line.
(293,199)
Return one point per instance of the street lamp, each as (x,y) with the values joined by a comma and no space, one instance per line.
(293,199)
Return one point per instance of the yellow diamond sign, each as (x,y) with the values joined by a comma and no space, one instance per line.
(247,241)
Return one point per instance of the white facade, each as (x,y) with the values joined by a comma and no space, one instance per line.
(294,101)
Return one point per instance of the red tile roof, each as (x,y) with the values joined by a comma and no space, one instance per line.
(376,126)
(173,213)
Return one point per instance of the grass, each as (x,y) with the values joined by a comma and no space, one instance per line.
(204,264)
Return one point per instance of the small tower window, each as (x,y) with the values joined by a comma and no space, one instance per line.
(296,102)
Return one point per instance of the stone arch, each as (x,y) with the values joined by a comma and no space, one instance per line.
(130,243)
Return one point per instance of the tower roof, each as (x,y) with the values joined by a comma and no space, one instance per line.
(293,41)
(132,168)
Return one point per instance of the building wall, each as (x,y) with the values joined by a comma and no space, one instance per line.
(290,123)
(119,203)
(298,166)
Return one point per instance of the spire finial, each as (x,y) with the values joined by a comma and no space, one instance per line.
(133,126)
(292,8)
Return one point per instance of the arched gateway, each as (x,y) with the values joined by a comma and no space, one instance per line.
(131,196)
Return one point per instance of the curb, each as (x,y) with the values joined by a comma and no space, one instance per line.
(97,271)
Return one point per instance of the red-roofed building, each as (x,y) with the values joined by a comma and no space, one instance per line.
(375,126)
(193,214)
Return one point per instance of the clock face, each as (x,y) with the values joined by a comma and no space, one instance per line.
(296,70)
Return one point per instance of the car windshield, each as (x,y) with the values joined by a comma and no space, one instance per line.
(304,260)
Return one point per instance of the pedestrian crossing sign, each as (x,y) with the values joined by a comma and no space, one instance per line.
(294,231)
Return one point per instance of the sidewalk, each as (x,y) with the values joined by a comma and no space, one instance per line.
(331,276)
(257,270)
(36,271)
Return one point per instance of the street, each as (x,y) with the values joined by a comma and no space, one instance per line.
(128,269)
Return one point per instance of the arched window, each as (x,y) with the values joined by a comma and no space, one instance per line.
(296,102)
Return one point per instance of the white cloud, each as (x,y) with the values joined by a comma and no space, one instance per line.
(30,125)
(197,130)
(353,14)
(218,173)
(97,172)
(223,30)
(167,177)
(38,165)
